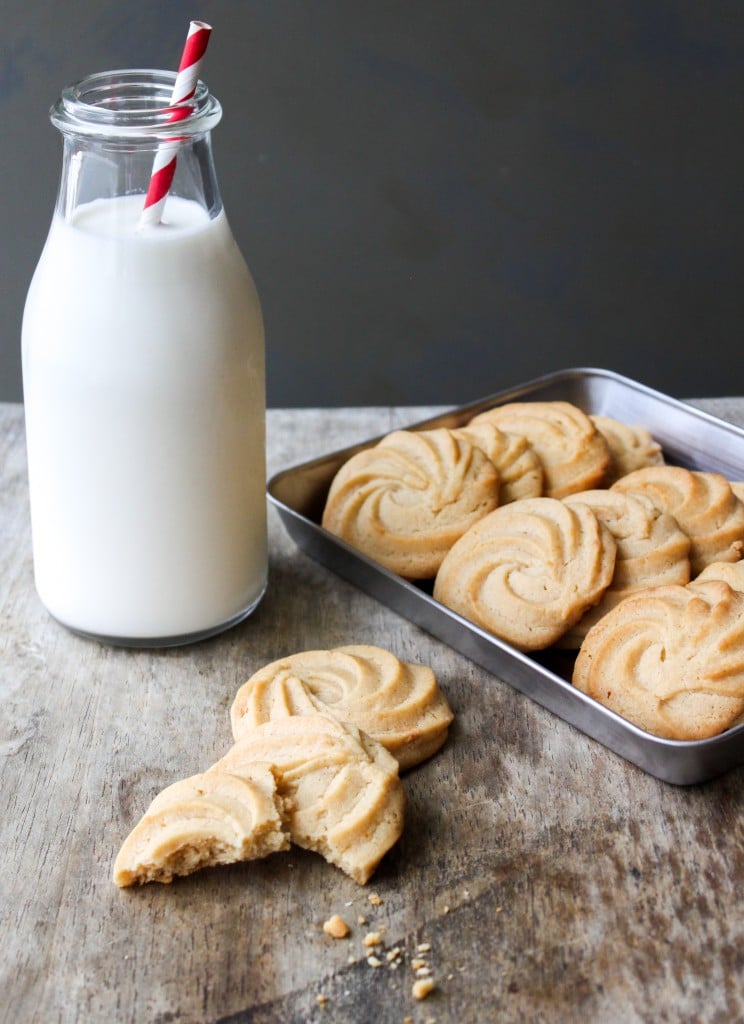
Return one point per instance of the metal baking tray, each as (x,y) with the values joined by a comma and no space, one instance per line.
(688,436)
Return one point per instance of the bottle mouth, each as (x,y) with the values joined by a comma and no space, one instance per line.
(133,103)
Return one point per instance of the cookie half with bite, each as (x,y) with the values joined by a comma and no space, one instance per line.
(341,787)
(208,819)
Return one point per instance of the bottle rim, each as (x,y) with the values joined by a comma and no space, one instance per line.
(133,103)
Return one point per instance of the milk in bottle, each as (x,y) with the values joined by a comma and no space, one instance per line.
(143,367)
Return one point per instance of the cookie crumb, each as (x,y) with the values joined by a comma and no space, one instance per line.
(417,963)
(321,1000)
(372,939)
(374,961)
(361,919)
(423,947)
(422,988)
(374,899)
(336,927)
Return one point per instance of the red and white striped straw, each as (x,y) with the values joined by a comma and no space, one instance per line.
(164,165)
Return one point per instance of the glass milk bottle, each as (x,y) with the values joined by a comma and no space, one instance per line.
(143,373)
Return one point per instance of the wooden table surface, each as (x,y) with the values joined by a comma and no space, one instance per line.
(553,880)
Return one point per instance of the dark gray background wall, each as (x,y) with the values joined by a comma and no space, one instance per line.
(436,199)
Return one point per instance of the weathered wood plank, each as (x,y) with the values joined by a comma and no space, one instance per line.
(551,878)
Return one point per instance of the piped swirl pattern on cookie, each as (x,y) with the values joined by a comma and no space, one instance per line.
(405,501)
(730,572)
(670,660)
(631,447)
(519,467)
(574,454)
(652,550)
(397,703)
(208,819)
(702,503)
(529,570)
(342,788)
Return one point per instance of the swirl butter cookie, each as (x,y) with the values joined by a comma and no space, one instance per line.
(631,447)
(208,819)
(702,503)
(405,501)
(344,797)
(529,570)
(730,572)
(396,703)
(652,551)
(519,467)
(574,455)
(670,660)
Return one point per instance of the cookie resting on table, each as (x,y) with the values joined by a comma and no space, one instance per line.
(345,799)
(396,703)
(209,819)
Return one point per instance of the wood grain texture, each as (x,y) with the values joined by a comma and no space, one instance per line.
(553,880)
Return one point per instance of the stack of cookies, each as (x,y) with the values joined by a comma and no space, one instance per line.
(547,526)
(320,739)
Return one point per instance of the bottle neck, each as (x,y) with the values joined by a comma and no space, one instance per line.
(113,125)
(94,169)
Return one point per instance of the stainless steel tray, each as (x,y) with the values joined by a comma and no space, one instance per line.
(689,437)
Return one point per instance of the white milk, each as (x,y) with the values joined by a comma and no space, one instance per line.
(143,367)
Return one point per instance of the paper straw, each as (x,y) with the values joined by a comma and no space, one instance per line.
(164,165)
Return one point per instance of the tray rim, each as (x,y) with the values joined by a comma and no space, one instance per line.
(512,394)
(665,759)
